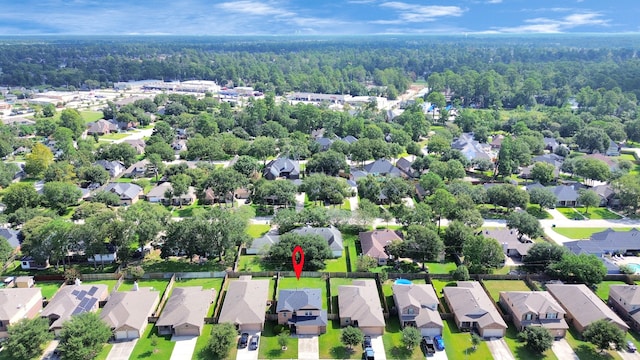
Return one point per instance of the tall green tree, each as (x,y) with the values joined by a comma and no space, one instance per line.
(537,338)
(59,195)
(411,337)
(544,197)
(27,337)
(83,336)
(541,255)
(525,224)
(482,254)
(602,333)
(588,198)
(351,336)
(8,172)
(583,268)
(422,243)
(223,337)
(316,251)
(38,160)
(20,195)
(72,120)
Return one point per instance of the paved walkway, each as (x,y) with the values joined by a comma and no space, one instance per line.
(378,347)
(563,350)
(308,348)
(185,345)
(499,349)
(122,350)
(48,351)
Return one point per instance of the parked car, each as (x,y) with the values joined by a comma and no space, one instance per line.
(253,343)
(439,342)
(631,346)
(368,354)
(244,339)
(427,346)
(367,342)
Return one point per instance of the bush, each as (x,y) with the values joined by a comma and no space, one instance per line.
(538,339)
(626,269)
(70,275)
(461,273)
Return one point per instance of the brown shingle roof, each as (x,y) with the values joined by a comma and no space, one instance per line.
(373,242)
(360,302)
(187,305)
(245,302)
(130,308)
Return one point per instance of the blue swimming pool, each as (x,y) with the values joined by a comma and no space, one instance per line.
(408,282)
(635,267)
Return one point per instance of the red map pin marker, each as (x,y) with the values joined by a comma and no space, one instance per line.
(297,266)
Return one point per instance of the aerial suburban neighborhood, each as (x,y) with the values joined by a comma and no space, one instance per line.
(456,212)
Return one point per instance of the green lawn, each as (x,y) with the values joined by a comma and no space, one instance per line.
(458,344)
(520,351)
(570,213)
(392,339)
(257,230)
(332,348)
(603,288)
(90,116)
(540,214)
(598,213)
(114,136)
(269,347)
(104,353)
(441,268)
(186,211)
(144,349)
(586,350)
(308,283)
(583,233)
(337,264)
(495,286)
(153,264)
(110,283)
(202,341)
(250,263)
(16,270)
(49,288)
(346,205)
(351,241)
(157,285)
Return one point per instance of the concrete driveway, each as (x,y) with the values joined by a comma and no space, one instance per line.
(625,355)
(499,349)
(122,350)
(563,351)
(440,355)
(378,347)
(185,345)
(308,348)
(245,353)
(48,351)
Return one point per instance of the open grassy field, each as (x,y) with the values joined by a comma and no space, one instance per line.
(582,233)
(269,347)
(603,288)
(495,286)
(144,349)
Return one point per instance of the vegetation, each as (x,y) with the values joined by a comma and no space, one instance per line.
(223,338)
(537,338)
(602,333)
(83,337)
(27,338)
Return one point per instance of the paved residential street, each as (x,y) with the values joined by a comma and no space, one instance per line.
(563,351)
(185,345)
(308,348)
(378,347)
(122,350)
(499,349)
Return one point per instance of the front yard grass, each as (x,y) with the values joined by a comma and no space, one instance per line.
(540,214)
(49,288)
(458,344)
(305,283)
(598,213)
(603,288)
(583,233)
(332,348)
(520,351)
(570,213)
(495,286)
(269,347)
(392,339)
(144,349)
(586,350)
(102,355)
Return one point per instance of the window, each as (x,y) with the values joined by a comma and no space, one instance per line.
(528,316)
(410,311)
(552,315)
(307,313)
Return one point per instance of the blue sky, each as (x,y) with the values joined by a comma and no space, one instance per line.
(322,17)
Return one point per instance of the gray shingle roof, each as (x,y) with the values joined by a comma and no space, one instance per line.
(263,242)
(12,299)
(421,296)
(281,165)
(331,234)
(74,299)
(360,302)
(124,190)
(12,236)
(186,305)
(607,241)
(294,300)
(382,167)
(245,302)
(130,308)
(469,302)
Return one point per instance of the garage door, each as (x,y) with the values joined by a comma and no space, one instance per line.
(372,330)
(121,335)
(431,331)
(132,334)
(489,333)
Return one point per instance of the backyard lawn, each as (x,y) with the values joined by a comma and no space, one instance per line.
(257,230)
(441,268)
(495,286)
(583,233)
(157,285)
(114,136)
(458,344)
(144,349)
(250,263)
(603,288)
(332,348)
(305,283)
(269,347)
(49,288)
(152,263)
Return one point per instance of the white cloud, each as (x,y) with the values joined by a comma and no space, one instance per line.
(547,25)
(494,1)
(253,8)
(410,13)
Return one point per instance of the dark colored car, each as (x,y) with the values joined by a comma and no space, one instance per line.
(439,342)
(253,343)
(631,346)
(244,339)
(367,342)
(427,346)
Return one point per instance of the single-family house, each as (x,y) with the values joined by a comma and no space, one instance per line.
(137,144)
(245,304)
(382,167)
(108,255)
(359,306)
(179,145)
(472,149)
(18,304)
(158,194)
(184,312)
(29,263)
(404,164)
(282,168)
(625,300)
(534,308)
(330,234)
(496,141)
(512,245)
(417,306)
(613,149)
(349,139)
(567,195)
(12,236)
(129,193)
(127,312)
(301,310)
(583,306)
(101,127)
(73,300)
(607,195)
(611,163)
(607,242)
(324,143)
(262,244)
(114,168)
(374,243)
(550,144)
(24,282)
(141,168)
(473,310)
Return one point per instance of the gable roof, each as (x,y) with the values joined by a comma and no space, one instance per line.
(607,241)
(566,192)
(382,167)
(11,300)
(280,165)
(471,148)
(583,305)
(537,302)
(628,296)
(360,302)
(267,240)
(373,242)
(331,234)
(245,301)
(186,305)
(607,160)
(130,308)
(294,300)
(124,190)
(350,139)
(421,296)
(510,238)
(12,236)
(72,300)
(470,303)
